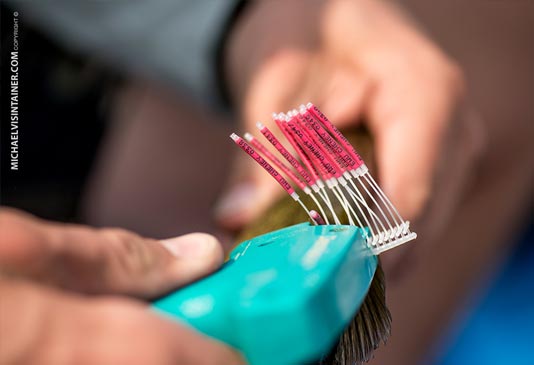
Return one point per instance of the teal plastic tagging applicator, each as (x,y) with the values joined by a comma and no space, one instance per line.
(283,297)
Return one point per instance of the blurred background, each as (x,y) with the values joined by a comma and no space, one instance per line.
(107,149)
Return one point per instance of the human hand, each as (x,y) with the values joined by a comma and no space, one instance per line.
(356,60)
(67,295)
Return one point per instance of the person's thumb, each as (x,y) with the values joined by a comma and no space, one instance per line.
(250,191)
(102,261)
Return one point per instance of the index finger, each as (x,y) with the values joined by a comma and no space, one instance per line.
(409,116)
(44,326)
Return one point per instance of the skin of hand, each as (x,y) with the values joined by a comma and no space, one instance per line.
(71,294)
(357,61)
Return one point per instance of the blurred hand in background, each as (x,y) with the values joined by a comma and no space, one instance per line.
(358,61)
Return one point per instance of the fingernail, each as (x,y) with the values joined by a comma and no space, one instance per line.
(236,200)
(194,245)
